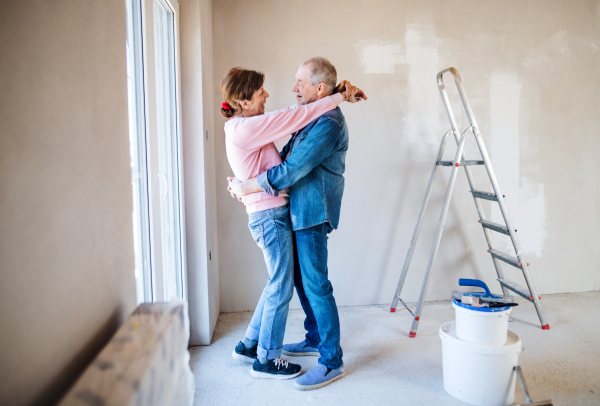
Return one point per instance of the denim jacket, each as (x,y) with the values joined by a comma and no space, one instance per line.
(313,171)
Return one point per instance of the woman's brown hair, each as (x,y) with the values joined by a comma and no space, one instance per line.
(239,84)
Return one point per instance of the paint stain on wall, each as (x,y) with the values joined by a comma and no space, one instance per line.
(532,219)
(420,53)
(525,201)
(379,56)
(559,47)
(423,115)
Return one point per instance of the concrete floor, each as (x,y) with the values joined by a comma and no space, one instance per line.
(386,367)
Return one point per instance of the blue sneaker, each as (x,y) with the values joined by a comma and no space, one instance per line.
(241,353)
(277,368)
(300,349)
(318,377)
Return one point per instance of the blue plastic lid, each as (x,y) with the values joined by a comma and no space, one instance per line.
(482,294)
(481,309)
(477,283)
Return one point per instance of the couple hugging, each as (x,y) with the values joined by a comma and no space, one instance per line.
(293,200)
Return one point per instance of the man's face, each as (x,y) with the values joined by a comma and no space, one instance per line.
(305,91)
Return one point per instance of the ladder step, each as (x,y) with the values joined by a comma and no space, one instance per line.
(519,290)
(495,226)
(509,259)
(462,163)
(485,195)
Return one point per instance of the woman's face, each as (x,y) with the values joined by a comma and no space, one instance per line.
(256,106)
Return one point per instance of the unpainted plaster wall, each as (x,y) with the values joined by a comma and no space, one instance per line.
(199,167)
(530,70)
(66,240)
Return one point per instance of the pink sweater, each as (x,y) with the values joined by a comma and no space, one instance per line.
(250,148)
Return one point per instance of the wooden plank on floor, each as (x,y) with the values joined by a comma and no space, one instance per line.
(145,363)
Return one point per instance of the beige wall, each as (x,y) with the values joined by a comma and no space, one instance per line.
(66,242)
(199,163)
(530,69)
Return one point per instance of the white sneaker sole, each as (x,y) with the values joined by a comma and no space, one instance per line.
(301,354)
(319,385)
(265,375)
(242,358)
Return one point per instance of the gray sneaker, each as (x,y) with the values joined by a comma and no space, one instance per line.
(300,349)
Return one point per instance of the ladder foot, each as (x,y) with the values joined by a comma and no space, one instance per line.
(546,327)
(412,334)
(392,310)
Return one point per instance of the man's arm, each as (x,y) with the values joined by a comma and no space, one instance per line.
(319,143)
(238,188)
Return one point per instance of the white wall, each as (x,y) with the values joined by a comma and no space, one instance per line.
(199,176)
(66,240)
(530,69)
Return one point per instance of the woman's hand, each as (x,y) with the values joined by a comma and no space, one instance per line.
(239,189)
(234,187)
(351,93)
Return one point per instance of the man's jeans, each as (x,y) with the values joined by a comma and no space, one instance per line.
(272,231)
(315,292)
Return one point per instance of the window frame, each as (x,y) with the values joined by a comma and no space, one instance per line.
(139,165)
(154,188)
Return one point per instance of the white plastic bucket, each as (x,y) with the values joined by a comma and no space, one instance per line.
(481,325)
(479,374)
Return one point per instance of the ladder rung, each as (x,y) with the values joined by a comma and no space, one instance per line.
(462,163)
(509,259)
(519,290)
(485,195)
(495,226)
(471,162)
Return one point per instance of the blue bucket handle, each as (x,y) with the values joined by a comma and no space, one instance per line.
(475,282)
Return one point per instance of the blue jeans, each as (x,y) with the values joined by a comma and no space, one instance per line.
(272,231)
(315,292)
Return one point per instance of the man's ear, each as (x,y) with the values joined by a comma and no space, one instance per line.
(321,87)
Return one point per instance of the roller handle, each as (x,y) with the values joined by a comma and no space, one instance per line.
(475,282)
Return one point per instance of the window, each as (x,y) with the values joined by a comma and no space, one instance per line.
(154,133)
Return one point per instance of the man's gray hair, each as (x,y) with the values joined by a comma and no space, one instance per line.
(320,70)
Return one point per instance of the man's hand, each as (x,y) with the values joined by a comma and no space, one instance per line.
(351,93)
(240,189)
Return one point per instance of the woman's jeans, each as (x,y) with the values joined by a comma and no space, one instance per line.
(272,231)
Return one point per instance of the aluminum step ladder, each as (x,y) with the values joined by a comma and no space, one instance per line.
(459,161)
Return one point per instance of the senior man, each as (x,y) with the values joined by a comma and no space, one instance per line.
(312,169)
